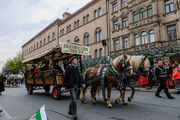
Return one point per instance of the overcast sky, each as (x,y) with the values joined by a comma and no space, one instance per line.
(20,20)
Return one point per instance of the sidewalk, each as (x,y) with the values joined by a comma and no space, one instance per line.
(151,90)
(4,115)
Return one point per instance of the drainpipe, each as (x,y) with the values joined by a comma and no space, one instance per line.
(108,28)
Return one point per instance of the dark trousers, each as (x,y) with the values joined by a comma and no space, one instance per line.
(161,87)
(73,94)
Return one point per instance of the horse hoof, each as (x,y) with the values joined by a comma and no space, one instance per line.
(82,101)
(129,99)
(109,106)
(116,101)
(125,104)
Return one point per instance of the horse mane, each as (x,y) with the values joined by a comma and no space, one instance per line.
(117,62)
(136,61)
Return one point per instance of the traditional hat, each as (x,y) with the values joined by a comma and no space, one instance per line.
(72,58)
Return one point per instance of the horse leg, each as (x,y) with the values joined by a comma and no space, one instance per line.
(109,89)
(93,94)
(123,96)
(118,100)
(82,94)
(132,93)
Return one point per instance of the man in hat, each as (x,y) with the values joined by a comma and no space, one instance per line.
(162,76)
(72,79)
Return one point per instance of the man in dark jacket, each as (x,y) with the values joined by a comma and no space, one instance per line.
(162,76)
(2,79)
(72,79)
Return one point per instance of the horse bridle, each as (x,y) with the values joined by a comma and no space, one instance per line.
(141,66)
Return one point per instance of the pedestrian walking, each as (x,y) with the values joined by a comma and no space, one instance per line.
(176,78)
(2,80)
(72,79)
(162,76)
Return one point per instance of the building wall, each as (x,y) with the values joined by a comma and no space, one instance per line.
(158,22)
(90,27)
(29,50)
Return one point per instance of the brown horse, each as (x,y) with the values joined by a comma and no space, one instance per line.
(140,66)
(106,76)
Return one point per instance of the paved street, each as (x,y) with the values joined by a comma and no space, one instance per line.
(18,105)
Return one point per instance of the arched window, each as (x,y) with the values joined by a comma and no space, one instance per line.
(143,37)
(136,39)
(76,39)
(86,39)
(98,34)
(34,46)
(100,52)
(48,38)
(53,36)
(44,41)
(87,18)
(99,11)
(141,13)
(75,25)
(84,20)
(37,45)
(96,53)
(41,43)
(135,17)
(95,14)
(151,36)
(149,11)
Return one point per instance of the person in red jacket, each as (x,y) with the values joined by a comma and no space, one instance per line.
(176,78)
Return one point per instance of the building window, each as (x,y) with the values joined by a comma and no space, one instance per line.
(151,36)
(98,35)
(169,6)
(126,42)
(37,45)
(116,45)
(135,17)
(53,36)
(34,46)
(96,53)
(41,43)
(171,32)
(76,40)
(44,41)
(100,52)
(61,32)
(149,11)
(142,14)
(84,20)
(95,13)
(75,25)
(116,25)
(99,11)
(143,37)
(86,39)
(48,38)
(136,40)
(124,22)
(123,3)
(87,18)
(115,7)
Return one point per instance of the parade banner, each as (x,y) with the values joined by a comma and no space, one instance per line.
(74,49)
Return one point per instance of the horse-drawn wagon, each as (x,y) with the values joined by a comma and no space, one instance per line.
(47,68)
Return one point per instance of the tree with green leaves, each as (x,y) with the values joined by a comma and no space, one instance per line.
(14,64)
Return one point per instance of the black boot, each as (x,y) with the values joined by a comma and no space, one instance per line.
(171,97)
(157,95)
(1,111)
